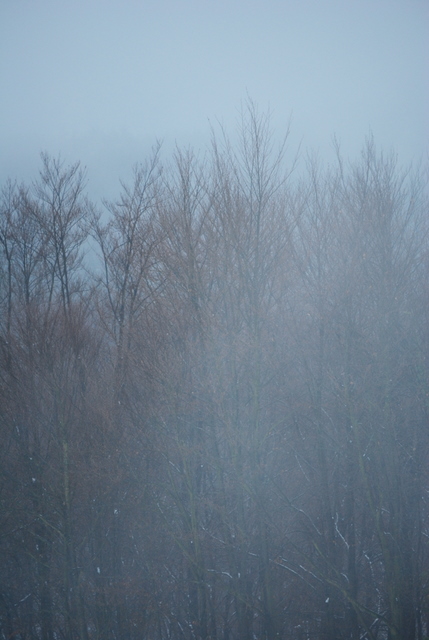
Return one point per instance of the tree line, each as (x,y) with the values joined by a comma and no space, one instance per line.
(214,399)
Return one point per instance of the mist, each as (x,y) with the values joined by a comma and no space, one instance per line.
(214,356)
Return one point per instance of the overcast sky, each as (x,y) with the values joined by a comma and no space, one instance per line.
(100,80)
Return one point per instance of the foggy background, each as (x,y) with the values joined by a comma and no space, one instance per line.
(100,80)
(214,389)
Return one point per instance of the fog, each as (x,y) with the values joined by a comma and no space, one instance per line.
(100,81)
(214,373)
(219,429)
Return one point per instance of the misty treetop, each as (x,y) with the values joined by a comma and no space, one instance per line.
(215,399)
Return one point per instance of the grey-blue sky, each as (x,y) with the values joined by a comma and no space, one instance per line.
(100,80)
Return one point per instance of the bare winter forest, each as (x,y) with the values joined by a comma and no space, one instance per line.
(215,398)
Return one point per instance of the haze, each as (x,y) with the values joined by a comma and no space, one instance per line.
(214,383)
(100,81)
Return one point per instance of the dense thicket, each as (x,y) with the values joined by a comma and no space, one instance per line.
(215,399)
